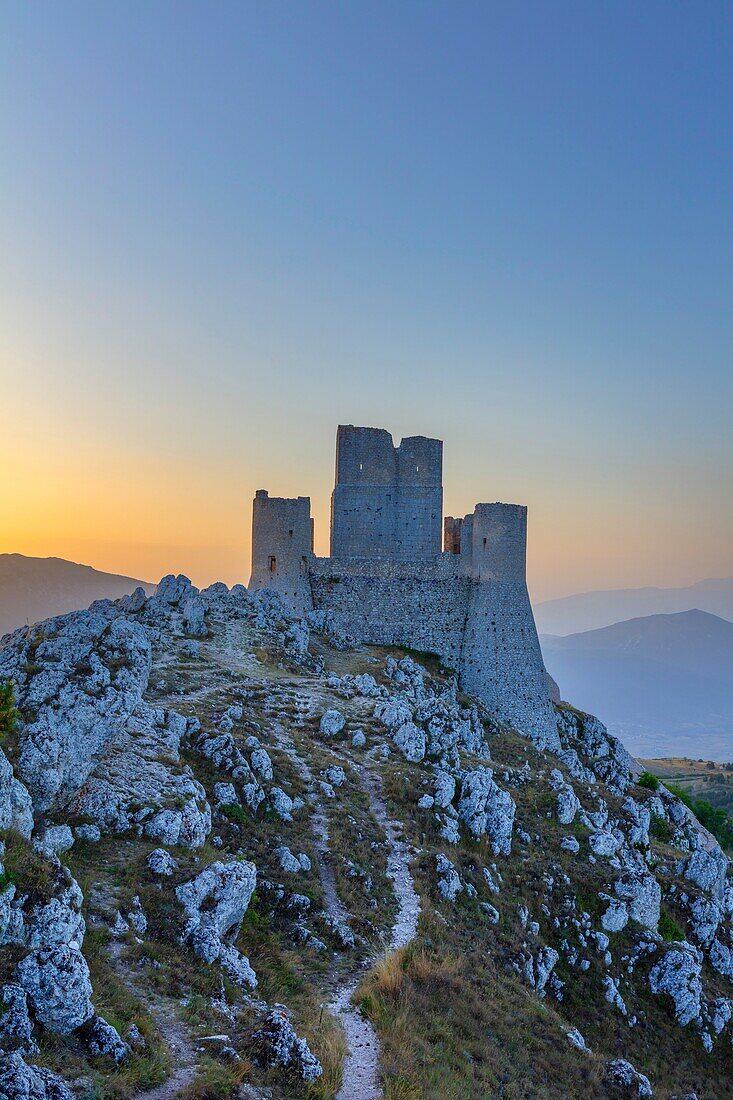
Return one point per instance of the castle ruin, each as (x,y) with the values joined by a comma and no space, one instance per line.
(400,575)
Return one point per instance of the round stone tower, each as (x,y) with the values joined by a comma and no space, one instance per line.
(501,660)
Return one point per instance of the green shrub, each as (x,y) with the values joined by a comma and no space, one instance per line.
(28,869)
(649,781)
(8,712)
(669,929)
(235,813)
(659,827)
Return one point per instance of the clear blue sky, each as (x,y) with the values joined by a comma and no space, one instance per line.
(225,227)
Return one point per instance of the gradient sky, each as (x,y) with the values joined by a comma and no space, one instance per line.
(226,227)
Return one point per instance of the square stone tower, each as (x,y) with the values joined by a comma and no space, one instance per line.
(387,501)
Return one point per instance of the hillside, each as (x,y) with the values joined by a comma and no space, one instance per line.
(592,610)
(245,859)
(662,682)
(37,588)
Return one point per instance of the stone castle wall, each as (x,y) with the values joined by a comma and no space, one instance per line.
(418,604)
(388,583)
(484,630)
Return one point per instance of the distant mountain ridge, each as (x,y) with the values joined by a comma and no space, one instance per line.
(37,588)
(592,610)
(660,681)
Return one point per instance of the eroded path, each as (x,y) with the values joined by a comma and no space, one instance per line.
(360,1080)
(361,1065)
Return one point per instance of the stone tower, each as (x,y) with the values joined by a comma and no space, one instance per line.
(387,501)
(282,546)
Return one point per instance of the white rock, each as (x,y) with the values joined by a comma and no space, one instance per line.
(58,986)
(225,794)
(568,803)
(261,764)
(410,740)
(103,1040)
(173,590)
(449,883)
(707,869)
(616,916)
(332,723)
(605,843)
(16,1027)
(288,861)
(575,1038)
(161,862)
(721,957)
(194,617)
(621,1074)
(16,808)
(277,1044)
(19,1081)
(55,839)
(486,809)
(214,904)
(678,974)
(444,789)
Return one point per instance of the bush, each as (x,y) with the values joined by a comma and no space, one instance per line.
(27,869)
(235,813)
(8,712)
(669,929)
(659,827)
(649,781)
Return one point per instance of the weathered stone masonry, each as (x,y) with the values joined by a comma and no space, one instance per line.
(387,581)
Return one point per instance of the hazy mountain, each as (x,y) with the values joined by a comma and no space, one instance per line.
(37,588)
(662,682)
(591,610)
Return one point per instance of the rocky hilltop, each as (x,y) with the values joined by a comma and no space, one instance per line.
(242,857)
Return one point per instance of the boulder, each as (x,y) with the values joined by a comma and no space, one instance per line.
(568,803)
(103,1041)
(194,617)
(485,809)
(708,869)
(19,1081)
(56,981)
(161,862)
(16,1027)
(275,1043)
(449,883)
(620,1074)
(643,895)
(173,590)
(410,740)
(89,674)
(214,904)
(16,808)
(332,723)
(678,975)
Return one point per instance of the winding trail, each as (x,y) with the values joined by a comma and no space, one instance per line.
(360,1070)
(182,1053)
(360,1080)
